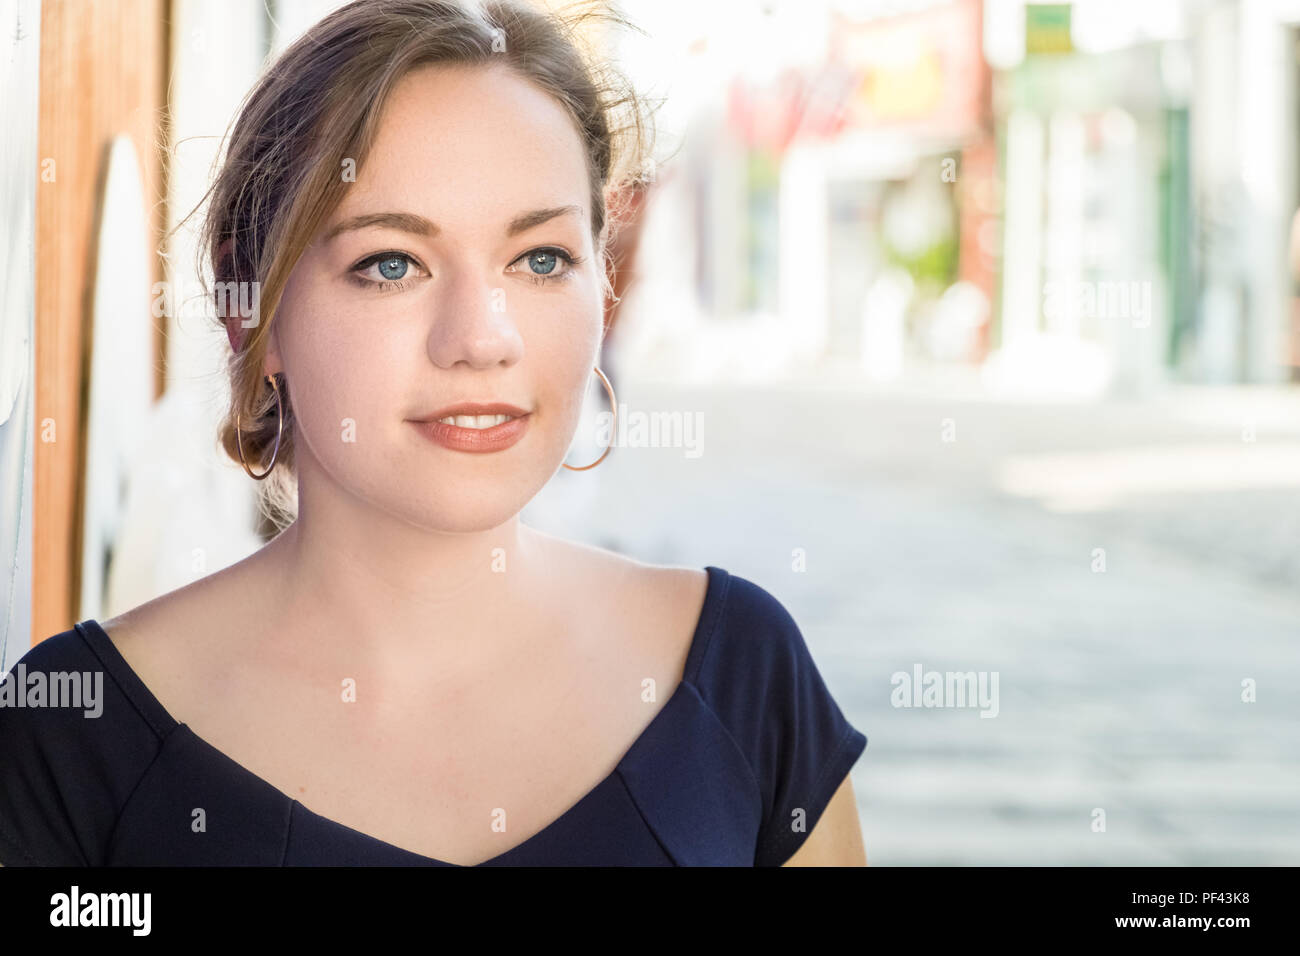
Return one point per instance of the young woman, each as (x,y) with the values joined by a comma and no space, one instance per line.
(406,673)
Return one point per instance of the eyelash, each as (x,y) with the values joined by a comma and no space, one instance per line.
(397,285)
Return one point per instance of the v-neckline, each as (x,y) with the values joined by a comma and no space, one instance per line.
(714,596)
(559,821)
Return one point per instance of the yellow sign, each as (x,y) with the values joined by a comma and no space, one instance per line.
(1047,28)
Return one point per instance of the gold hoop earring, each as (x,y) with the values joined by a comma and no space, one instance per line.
(613,404)
(279,432)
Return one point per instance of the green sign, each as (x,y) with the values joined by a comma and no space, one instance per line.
(1047,28)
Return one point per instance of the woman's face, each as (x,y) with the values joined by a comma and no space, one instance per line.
(442,279)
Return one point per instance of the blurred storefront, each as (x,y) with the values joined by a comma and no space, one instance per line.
(1095,266)
(1245,148)
(871,196)
(1084,199)
(1149,157)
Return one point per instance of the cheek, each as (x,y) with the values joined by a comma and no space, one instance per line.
(341,395)
(563,359)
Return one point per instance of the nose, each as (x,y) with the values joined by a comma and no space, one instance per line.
(471,324)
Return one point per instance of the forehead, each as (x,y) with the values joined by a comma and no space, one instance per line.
(467,144)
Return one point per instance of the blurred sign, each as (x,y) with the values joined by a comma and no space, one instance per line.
(1047,28)
(909,87)
(807,104)
(923,70)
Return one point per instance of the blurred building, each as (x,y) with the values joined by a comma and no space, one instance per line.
(1148,153)
(1079,199)
(837,194)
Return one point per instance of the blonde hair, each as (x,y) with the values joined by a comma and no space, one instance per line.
(317,109)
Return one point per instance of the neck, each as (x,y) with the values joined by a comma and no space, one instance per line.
(368,585)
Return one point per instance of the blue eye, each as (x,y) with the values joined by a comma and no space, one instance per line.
(391,267)
(542,263)
(385,271)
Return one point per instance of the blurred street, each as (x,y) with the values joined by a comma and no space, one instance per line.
(1119,690)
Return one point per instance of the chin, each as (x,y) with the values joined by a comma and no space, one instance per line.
(468,522)
(451,496)
(452,511)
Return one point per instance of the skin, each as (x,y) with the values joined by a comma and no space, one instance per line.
(395,532)
(836,840)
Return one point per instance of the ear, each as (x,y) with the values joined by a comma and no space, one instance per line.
(234,333)
(272,365)
(236,330)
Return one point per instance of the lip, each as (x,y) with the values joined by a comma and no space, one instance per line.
(475,408)
(475,440)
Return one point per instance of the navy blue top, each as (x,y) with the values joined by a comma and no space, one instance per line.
(734,770)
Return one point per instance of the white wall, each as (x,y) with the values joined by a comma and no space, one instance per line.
(19,78)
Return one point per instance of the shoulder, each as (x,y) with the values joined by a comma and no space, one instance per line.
(656,606)
(73,744)
(151,638)
(759,677)
(169,618)
(731,626)
(752,638)
(182,642)
(634,579)
(67,772)
(65,648)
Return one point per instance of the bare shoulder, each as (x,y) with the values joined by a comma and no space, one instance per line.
(172,641)
(146,622)
(653,588)
(659,599)
(155,641)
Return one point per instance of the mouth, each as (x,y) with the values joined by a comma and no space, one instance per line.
(474,426)
(479,422)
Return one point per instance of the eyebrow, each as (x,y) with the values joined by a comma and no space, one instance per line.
(420,226)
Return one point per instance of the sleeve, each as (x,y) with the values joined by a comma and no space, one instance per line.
(71,749)
(797,740)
